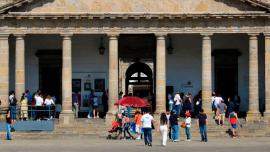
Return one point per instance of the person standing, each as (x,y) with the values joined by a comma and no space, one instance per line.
(12,106)
(137,119)
(221,108)
(147,121)
(188,124)
(202,122)
(234,120)
(8,126)
(170,101)
(174,125)
(24,107)
(163,128)
(91,102)
(75,103)
(177,104)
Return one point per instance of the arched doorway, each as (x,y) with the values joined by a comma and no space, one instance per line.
(139,80)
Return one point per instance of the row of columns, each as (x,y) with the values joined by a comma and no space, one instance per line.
(113,72)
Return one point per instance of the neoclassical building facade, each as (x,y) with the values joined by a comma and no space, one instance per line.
(208,45)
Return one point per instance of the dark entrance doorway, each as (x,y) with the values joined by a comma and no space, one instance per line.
(140,76)
(50,72)
(226,72)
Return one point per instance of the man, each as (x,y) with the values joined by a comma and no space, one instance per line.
(202,122)
(174,126)
(221,110)
(147,121)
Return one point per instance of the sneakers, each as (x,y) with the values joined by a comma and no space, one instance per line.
(88,116)
(188,140)
(138,138)
(176,140)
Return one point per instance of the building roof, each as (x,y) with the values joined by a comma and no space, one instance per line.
(264,4)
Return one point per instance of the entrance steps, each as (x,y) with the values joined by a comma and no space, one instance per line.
(83,127)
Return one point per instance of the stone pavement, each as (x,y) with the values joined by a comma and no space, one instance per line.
(83,144)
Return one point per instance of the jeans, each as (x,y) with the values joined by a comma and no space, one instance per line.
(203,132)
(147,136)
(177,108)
(164,134)
(188,132)
(170,106)
(175,132)
(8,131)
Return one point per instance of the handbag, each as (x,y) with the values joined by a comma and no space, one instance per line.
(183,125)
(12,129)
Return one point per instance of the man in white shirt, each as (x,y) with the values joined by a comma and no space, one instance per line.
(39,102)
(147,121)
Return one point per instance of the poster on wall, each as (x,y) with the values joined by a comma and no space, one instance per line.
(76,85)
(87,86)
(99,85)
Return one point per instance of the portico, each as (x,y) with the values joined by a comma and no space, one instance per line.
(202,27)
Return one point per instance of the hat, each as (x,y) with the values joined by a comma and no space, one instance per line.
(187,114)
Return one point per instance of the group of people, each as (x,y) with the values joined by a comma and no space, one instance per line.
(144,124)
(182,103)
(36,106)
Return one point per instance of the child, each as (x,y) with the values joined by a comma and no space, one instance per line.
(188,123)
(233,120)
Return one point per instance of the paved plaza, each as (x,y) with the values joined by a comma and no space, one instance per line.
(76,144)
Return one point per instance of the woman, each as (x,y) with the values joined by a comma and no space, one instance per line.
(49,105)
(12,105)
(24,107)
(163,128)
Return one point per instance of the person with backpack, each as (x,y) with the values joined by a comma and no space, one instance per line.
(12,106)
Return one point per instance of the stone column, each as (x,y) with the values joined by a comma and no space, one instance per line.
(113,72)
(253,78)
(4,69)
(206,73)
(161,74)
(67,116)
(19,65)
(267,75)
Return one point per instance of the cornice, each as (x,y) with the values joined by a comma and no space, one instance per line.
(136,16)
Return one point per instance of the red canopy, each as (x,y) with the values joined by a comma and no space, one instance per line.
(133,102)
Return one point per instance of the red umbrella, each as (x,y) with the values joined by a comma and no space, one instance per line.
(133,101)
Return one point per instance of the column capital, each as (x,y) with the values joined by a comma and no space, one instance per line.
(66,35)
(161,35)
(19,35)
(4,36)
(267,34)
(253,35)
(206,35)
(112,35)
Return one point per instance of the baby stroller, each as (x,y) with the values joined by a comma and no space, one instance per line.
(115,132)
